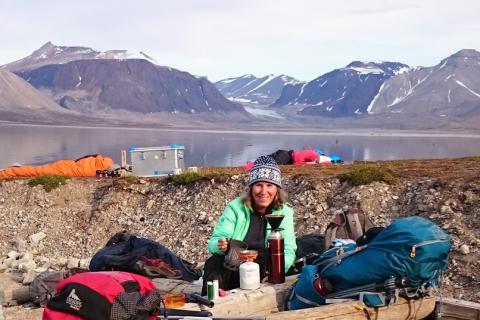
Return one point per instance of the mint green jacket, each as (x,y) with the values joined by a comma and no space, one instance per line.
(235,221)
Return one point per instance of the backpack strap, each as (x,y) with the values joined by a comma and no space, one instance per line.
(333,260)
(293,294)
(330,235)
(355,229)
(340,220)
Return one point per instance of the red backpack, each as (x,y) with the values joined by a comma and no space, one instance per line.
(106,295)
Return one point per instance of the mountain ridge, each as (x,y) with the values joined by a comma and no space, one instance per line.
(53,54)
(254,90)
(449,89)
(85,80)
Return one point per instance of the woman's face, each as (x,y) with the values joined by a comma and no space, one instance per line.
(263,194)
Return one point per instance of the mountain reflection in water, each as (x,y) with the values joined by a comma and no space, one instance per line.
(27,144)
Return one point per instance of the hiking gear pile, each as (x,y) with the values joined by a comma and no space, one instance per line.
(125,252)
(408,257)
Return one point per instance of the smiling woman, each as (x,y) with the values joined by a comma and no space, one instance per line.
(243,220)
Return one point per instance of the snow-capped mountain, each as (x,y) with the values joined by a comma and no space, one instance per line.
(52,54)
(252,90)
(132,85)
(449,89)
(86,81)
(341,92)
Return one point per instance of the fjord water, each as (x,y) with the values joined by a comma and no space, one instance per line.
(29,144)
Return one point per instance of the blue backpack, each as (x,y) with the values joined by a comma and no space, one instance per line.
(409,255)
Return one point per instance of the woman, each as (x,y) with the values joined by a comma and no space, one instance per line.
(244,219)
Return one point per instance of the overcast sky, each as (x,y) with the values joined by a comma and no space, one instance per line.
(228,38)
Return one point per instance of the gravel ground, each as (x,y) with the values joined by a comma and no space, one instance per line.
(69,224)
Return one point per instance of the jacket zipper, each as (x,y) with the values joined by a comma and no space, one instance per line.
(424,243)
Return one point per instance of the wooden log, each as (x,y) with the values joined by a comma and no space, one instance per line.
(268,298)
(176,286)
(6,298)
(402,310)
(268,301)
(261,301)
(453,309)
(21,295)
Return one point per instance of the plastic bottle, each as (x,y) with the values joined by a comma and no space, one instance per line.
(215,289)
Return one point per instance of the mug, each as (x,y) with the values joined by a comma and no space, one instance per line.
(232,257)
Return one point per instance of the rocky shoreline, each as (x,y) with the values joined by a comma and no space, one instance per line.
(66,226)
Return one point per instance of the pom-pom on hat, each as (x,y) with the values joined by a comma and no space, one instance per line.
(265,169)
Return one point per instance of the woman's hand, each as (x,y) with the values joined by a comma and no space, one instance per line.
(222,244)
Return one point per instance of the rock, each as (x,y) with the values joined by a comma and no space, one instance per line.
(464,249)
(84,263)
(470,197)
(28,277)
(150,204)
(13,254)
(37,237)
(73,263)
(60,262)
(20,245)
(41,269)
(27,265)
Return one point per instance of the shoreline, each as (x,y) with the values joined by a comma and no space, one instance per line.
(364,132)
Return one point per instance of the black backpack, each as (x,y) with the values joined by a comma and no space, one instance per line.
(309,247)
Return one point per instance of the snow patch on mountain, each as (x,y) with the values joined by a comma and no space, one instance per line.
(260,112)
(374,70)
(470,90)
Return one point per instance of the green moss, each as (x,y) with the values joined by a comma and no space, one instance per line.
(49,181)
(186,178)
(129,180)
(366,175)
(125,182)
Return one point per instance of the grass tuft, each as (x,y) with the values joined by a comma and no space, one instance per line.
(126,181)
(129,180)
(366,175)
(186,178)
(49,181)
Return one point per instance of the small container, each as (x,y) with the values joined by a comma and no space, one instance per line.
(174,300)
(249,270)
(210,290)
(215,289)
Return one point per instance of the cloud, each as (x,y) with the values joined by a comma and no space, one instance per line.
(303,38)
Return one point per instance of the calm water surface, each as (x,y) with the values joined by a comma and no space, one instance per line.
(27,144)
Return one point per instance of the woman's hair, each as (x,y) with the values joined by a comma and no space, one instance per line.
(280,199)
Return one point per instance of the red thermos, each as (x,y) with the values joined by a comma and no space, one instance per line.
(275,255)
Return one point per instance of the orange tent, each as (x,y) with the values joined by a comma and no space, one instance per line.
(83,167)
